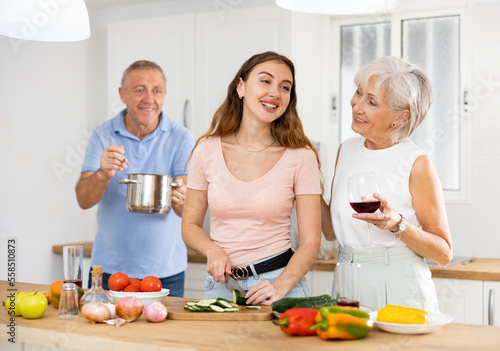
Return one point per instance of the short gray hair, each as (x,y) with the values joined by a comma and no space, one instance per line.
(141,64)
(405,88)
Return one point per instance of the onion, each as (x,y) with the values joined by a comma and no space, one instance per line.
(129,308)
(112,309)
(155,312)
(95,312)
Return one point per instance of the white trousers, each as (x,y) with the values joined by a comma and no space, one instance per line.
(395,276)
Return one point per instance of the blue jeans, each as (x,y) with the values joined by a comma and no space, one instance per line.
(175,283)
(215,289)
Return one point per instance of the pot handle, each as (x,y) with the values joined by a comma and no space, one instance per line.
(129,181)
(175,185)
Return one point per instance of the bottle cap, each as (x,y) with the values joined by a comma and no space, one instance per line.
(96,271)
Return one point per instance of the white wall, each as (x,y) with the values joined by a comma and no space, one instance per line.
(44,109)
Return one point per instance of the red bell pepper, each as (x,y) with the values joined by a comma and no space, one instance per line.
(298,321)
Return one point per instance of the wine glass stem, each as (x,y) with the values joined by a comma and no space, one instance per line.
(370,238)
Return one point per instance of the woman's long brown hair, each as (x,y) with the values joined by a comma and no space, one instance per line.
(287,129)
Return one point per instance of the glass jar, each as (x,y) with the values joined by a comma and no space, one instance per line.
(96,292)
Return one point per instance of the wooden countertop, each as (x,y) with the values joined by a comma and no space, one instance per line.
(80,334)
(487,269)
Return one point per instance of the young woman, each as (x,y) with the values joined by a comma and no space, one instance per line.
(250,168)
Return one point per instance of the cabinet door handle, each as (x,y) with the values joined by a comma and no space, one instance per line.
(184,113)
(491,306)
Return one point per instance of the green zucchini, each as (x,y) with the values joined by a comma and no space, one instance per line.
(237,299)
(289,302)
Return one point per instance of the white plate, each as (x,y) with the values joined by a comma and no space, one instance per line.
(146,297)
(437,321)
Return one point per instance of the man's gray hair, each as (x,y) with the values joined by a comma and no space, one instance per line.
(141,64)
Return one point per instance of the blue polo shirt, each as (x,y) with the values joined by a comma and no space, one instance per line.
(139,244)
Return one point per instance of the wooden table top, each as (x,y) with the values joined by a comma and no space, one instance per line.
(80,334)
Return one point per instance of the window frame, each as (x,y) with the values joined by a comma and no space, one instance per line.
(463,194)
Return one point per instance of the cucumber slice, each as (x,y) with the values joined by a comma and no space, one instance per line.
(216,308)
(232,309)
(253,307)
(224,304)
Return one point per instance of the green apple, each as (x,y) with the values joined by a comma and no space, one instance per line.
(12,304)
(33,305)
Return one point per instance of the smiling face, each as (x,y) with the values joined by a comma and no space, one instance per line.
(144,96)
(372,117)
(266,92)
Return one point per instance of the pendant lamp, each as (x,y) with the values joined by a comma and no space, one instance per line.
(44,20)
(337,7)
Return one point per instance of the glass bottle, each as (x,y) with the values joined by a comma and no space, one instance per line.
(96,292)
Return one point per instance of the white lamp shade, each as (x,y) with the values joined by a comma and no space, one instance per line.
(44,20)
(337,7)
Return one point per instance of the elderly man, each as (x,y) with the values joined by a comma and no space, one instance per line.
(137,244)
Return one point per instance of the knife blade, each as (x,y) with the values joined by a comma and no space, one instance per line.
(232,284)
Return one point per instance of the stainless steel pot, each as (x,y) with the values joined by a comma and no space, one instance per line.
(149,193)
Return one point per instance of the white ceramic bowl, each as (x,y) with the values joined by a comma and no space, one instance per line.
(145,297)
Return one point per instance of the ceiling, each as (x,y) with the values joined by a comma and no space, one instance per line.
(101,4)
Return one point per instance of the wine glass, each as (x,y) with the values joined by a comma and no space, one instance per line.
(361,189)
(346,284)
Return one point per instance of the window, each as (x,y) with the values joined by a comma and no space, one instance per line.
(433,42)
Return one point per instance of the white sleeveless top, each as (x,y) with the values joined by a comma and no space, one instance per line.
(392,167)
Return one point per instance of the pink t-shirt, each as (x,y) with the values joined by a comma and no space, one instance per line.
(251,220)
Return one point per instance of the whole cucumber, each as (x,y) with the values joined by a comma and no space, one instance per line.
(289,302)
(317,304)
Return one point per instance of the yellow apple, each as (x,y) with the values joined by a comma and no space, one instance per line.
(33,305)
(11,303)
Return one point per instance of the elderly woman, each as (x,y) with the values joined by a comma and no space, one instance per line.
(390,102)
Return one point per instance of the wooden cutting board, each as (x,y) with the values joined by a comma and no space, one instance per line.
(176,311)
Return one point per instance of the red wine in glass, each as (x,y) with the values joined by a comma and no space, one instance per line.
(361,189)
(78,282)
(365,206)
(348,302)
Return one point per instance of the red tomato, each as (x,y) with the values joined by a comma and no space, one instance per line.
(150,284)
(135,282)
(131,288)
(118,281)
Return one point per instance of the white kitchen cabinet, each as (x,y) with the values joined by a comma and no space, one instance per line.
(461,299)
(223,43)
(168,41)
(491,303)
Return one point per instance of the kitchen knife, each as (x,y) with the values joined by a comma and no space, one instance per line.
(232,284)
